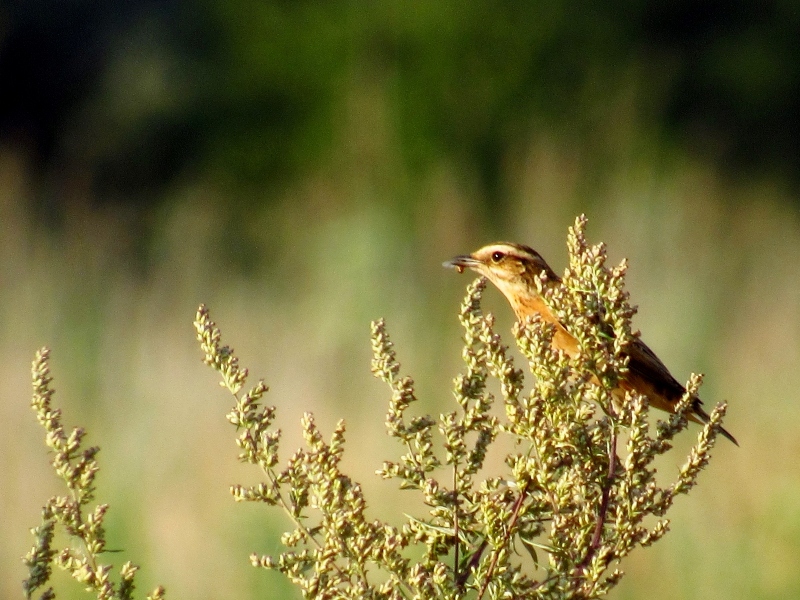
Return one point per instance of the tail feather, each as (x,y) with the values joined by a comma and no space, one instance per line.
(698,411)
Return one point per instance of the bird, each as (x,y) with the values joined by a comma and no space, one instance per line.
(514,269)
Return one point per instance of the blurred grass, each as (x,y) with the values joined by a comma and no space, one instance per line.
(714,268)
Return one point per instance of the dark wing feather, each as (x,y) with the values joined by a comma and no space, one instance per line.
(650,376)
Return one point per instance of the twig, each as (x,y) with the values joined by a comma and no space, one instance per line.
(514,516)
(456,575)
(473,562)
(603,511)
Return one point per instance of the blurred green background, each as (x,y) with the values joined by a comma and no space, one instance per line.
(304,167)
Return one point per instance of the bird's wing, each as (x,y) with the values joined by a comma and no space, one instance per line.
(649,376)
(645,363)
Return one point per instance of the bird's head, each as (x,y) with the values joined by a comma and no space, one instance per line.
(511,267)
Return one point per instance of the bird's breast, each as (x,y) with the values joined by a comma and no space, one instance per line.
(528,306)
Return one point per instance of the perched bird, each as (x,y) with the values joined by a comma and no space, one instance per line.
(513,268)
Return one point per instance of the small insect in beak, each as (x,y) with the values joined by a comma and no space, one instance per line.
(459,263)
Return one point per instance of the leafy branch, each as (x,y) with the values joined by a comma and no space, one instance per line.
(575,492)
(78,467)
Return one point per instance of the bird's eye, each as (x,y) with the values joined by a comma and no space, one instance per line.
(497,256)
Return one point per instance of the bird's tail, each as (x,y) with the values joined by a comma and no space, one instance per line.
(702,415)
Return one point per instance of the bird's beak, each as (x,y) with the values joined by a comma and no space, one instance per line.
(459,263)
